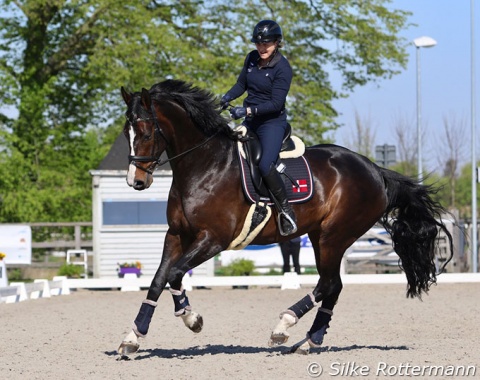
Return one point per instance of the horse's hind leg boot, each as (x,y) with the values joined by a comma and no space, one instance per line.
(320,325)
(144,317)
(301,308)
(181,302)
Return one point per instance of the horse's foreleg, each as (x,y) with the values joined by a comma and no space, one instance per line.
(191,319)
(199,253)
(140,326)
(141,323)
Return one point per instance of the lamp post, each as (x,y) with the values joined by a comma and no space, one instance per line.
(420,42)
(474,238)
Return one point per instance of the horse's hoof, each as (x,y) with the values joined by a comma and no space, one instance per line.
(314,345)
(193,321)
(301,348)
(127,348)
(197,325)
(277,339)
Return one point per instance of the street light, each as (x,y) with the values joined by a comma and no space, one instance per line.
(420,42)
(474,139)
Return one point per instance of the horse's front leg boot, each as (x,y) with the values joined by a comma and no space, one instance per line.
(192,320)
(144,317)
(180,301)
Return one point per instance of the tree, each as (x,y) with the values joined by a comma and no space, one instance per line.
(406,145)
(62,63)
(363,139)
(451,145)
(463,192)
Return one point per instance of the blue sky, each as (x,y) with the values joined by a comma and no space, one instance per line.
(445,76)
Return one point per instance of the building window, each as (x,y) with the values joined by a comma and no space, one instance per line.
(125,212)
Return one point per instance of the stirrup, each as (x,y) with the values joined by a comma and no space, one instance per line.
(289,219)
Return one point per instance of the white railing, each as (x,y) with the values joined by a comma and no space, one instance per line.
(41,288)
(17,292)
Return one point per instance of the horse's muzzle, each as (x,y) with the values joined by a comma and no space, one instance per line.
(138,179)
(139,185)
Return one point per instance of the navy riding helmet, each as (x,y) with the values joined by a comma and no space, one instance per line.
(267,31)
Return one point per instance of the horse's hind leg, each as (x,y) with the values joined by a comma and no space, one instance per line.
(319,327)
(289,318)
(327,290)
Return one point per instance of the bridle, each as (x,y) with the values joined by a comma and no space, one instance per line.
(158,132)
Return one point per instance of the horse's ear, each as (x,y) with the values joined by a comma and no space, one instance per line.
(126,95)
(146,99)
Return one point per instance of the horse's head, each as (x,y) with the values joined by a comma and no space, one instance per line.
(145,139)
(173,115)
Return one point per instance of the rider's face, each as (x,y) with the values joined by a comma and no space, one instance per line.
(266,49)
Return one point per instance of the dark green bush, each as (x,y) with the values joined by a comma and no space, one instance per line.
(70,270)
(238,267)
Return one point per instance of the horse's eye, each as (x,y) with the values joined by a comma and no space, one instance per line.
(147,137)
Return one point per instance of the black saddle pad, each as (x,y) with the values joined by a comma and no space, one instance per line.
(299,186)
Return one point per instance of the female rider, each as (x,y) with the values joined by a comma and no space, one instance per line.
(266,76)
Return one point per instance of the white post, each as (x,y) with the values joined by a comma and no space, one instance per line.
(45,292)
(420,42)
(130,283)
(419,120)
(21,293)
(3,274)
(64,289)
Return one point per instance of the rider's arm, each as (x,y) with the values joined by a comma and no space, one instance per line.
(241,86)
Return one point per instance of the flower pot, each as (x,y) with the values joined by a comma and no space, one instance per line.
(124,270)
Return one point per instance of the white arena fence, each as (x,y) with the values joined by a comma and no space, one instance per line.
(17,292)
(41,288)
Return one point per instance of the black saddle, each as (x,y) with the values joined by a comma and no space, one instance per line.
(296,175)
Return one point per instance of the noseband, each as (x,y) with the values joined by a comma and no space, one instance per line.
(158,132)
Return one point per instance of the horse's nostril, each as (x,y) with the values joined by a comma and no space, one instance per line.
(139,185)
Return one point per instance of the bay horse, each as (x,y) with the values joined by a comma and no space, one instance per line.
(207,208)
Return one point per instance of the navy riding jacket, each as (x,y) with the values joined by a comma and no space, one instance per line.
(267,88)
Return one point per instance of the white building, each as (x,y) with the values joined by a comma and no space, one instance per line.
(129,225)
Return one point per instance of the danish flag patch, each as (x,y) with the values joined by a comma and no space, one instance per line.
(301,187)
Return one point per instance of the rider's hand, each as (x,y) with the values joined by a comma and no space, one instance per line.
(238,112)
(225,100)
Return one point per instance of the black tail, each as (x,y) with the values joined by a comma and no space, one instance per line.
(414,219)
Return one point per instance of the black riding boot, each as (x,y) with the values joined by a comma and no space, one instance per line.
(287,222)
